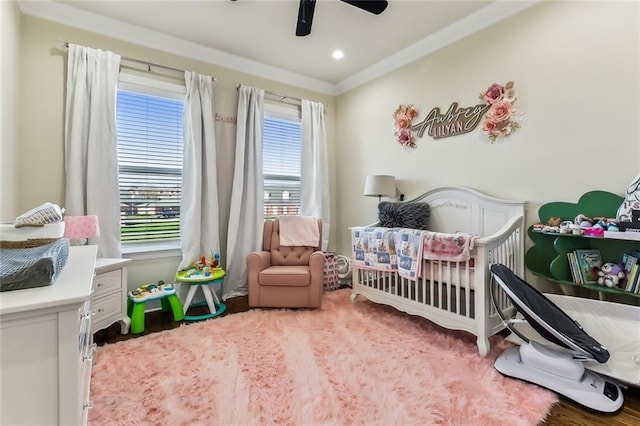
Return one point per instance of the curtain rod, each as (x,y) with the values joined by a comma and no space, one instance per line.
(64,45)
(277,95)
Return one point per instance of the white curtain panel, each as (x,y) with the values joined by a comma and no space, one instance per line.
(314,180)
(199,224)
(91,145)
(247,200)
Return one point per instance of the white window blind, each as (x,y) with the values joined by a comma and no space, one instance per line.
(150,146)
(282,150)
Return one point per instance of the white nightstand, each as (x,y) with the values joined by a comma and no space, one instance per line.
(109,298)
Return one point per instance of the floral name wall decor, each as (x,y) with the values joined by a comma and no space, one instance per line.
(402,127)
(501,117)
(456,121)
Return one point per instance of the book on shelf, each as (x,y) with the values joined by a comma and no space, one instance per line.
(588,261)
(632,280)
(628,261)
(573,267)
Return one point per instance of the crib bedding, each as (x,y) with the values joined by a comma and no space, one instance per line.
(375,248)
(403,249)
(461,274)
(440,272)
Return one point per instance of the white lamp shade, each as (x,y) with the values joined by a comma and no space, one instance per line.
(380,186)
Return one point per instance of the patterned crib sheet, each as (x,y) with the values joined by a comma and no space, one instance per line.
(402,249)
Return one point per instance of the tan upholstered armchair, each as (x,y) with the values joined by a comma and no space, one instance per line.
(285,276)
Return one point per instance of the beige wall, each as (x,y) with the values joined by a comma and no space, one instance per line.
(40,159)
(9,80)
(576,68)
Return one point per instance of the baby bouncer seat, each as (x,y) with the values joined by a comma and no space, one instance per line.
(559,370)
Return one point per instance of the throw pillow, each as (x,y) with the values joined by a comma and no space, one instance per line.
(403,215)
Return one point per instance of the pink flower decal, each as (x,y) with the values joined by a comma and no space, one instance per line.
(402,122)
(412,112)
(403,116)
(493,93)
(489,125)
(404,138)
(499,111)
(502,118)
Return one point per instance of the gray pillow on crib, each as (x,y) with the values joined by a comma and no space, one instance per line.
(403,215)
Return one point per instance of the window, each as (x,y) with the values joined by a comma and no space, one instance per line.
(281,159)
(150,145)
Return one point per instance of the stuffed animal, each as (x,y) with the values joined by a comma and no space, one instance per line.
(595,226)
(583,221)
(611,274)
(554,221)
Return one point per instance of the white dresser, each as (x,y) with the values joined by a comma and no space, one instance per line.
(46,347)
(109,299)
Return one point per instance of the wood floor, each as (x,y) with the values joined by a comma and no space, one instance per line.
(565,413)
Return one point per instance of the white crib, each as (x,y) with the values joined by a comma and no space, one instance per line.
(456,295)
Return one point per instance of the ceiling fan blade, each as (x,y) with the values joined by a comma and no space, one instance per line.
(305,17)
(372,6)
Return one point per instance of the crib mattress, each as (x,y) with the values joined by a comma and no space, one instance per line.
(450,275)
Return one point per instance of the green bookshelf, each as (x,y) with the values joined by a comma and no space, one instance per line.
(547,258)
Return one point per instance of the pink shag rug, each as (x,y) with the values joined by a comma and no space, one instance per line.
(344,364)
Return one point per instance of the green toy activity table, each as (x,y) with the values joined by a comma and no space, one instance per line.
(136,305)
(206,283)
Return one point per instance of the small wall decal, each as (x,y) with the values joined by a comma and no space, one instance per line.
(222,119)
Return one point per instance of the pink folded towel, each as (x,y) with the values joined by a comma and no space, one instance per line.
(299,231)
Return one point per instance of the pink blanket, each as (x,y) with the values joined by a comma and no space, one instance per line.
(452,247)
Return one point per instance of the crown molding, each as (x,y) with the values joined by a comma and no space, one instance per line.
(70,16)
(483,18)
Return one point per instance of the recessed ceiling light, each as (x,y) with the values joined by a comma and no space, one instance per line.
(337,54)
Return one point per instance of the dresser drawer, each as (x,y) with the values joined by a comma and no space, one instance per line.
(107,282)
(106,309)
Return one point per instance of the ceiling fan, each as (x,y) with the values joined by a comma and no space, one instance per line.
(306,8)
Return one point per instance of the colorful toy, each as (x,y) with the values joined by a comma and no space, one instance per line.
(137,299)
(595,226)
(611,274)
(151,291)
(204,267)
(606,224)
